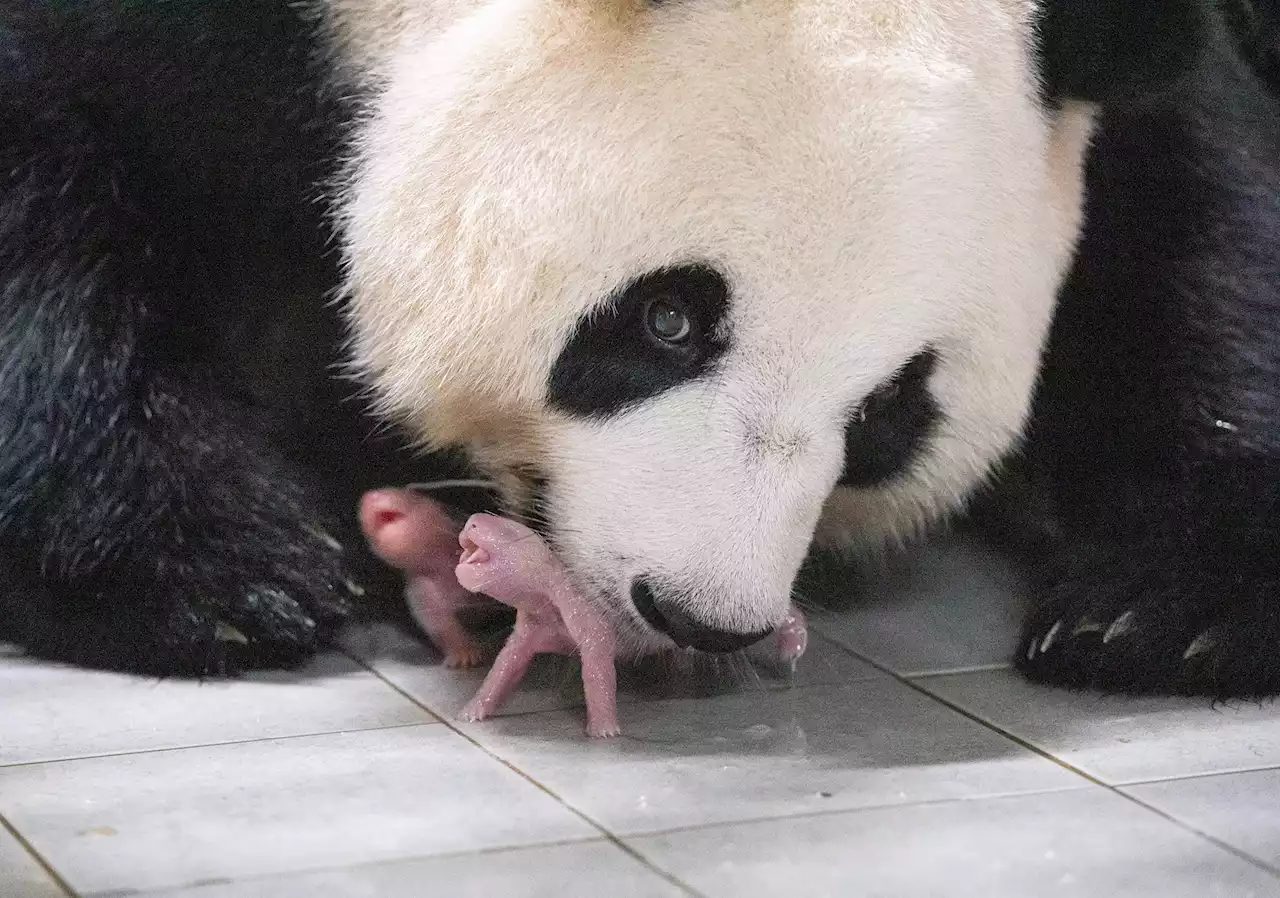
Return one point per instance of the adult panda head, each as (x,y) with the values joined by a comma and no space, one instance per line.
(702,279)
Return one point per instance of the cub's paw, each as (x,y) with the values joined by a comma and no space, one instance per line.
(1162,622)
(607,729)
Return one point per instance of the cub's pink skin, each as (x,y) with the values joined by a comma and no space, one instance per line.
(413,533)
(506,561)
(509,562)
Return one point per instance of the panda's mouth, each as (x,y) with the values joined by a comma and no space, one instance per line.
(685,630)
(641,619)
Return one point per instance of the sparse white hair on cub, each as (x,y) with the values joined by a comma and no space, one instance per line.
(871,178)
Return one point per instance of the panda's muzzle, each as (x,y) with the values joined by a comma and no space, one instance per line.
(684,630)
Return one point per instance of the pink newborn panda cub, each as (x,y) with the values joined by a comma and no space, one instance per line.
(415,535)
(507,561)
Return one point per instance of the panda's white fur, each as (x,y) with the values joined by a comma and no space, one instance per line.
(871,177)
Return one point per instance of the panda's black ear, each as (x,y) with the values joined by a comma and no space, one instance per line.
(1101,50)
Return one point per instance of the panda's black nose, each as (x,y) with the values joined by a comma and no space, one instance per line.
(685,630)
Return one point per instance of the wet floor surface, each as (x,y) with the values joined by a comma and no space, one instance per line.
(902,759)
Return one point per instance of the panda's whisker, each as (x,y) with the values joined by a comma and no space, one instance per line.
(745,673)
(804,603)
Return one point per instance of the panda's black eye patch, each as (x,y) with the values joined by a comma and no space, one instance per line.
(663,329)
(892,426)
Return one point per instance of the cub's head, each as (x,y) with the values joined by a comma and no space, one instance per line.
(698,280)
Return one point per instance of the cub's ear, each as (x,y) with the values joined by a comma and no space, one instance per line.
(1101,50)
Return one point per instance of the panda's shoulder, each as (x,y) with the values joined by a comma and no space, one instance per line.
(1204,146)
(227,93)
(136,54)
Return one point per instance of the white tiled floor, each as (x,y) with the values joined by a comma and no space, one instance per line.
(900,761)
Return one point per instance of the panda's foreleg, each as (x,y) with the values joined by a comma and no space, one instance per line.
(144,525)
(1158,422)
(162,541)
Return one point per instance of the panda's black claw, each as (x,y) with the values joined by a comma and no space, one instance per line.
(257,590)
(1047,642)
(1119,627)
(1207,641)
(1114,623)
(224,632)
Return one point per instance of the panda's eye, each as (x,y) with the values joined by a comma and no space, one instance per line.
(665,328)
(667,320)
(884,395)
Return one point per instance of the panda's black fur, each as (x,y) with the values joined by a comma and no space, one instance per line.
(178,465)
(1157,428)
(176,462)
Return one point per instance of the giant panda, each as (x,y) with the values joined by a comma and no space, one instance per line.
(700,288)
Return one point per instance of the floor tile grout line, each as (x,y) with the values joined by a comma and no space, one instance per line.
(838,812)
(886,667)
(578,706)
(609,836)
(1113,789)
(618,841)
(761,689)
(1035,749)
(365,865)
(955,671)
(171,748)
(906,679)
(780,688)
(910,682)
(1183,825)
(7,826)
(1206,775)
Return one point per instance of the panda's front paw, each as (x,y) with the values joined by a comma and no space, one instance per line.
(265,586)
(276,602)
(212,606)
(1141,620)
